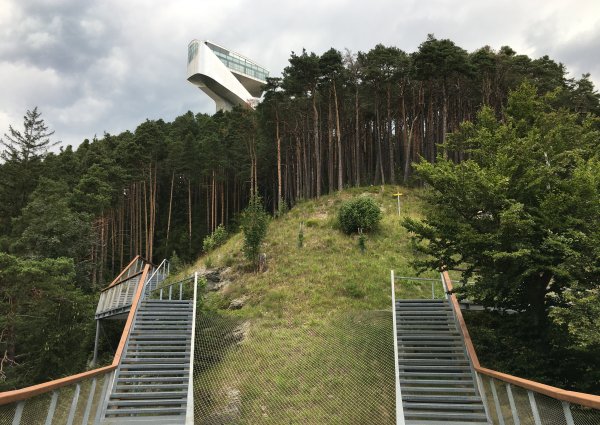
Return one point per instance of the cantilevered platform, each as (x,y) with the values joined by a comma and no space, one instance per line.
(227,77)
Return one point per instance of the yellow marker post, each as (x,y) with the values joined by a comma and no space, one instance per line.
(398,195)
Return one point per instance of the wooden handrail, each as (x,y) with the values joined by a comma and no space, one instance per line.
(8,397)
(461,321)
(121,281)
(131,315)
(131,263)
(582,399)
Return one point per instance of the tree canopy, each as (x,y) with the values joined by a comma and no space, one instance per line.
(520,216)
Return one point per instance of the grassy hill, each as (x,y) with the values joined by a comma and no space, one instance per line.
(313,342)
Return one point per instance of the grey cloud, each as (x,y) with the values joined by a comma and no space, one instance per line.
(110,65)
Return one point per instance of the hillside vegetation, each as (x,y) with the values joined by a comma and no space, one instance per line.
(313,340)
(331,121)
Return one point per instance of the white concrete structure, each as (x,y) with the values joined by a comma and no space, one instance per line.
(227,77)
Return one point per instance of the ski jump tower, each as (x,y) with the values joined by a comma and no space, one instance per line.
(227,77)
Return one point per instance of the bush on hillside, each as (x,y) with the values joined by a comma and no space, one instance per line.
(359,213)
(214,240)
(254,222)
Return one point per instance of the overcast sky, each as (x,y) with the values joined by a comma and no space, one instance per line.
(105,66)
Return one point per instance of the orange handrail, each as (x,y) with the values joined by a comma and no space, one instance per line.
(131,263)
(8,397)
(583,399)
(121,281)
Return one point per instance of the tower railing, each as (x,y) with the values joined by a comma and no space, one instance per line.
(511,400)
(76,399)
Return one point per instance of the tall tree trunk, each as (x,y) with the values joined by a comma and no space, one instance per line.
(170,209)
(407,151)
(145,221)
(379,164)
(330,145)
(389,136)
(357,139)
(317,142)
(338,133)
(444,116)
(278,158)
(190,214)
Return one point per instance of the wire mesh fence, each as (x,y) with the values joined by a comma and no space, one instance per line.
(76,404)
(337,369)
(512,405)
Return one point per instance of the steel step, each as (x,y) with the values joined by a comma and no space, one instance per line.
(433,390)
(151,410)
(446,415)
(146,420)
(421,422)
(167,395)
(434,406)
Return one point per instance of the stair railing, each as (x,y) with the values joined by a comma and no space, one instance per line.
(399,406)
(73,399)
(116,298)
(159,275)
(180,290)
(189,414)
(511,399)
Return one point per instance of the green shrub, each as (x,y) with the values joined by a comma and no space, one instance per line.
(359,213)
(176,264)
(254,225)
(352,290)
(216,239)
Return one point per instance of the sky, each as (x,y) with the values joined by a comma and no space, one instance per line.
(106,66)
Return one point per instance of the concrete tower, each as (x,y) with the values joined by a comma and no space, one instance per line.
(227,77)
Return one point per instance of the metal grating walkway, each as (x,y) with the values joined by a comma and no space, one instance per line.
(436,380)
(151,383)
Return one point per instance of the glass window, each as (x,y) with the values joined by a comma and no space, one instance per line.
(192,51)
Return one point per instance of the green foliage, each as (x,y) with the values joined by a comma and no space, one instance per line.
(44,319)
(21,156)
(353,290)
(282,208)
(359,213)
(564,355)
(520,216)
(301,236)
(254,225)
(362,242)
(216,239)
(580,316)
(176,264)
(48,226)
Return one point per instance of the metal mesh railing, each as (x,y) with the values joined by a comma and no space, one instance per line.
(77,404)
(180,290)
(159,275)
(513,405)
(337,369)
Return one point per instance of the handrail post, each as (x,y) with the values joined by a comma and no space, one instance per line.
(399,407)
(96,342)
(189,414)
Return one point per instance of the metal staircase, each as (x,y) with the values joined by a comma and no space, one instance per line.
(153,382)
(437,384)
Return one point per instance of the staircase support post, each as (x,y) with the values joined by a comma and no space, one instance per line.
(399,407)
(96,342)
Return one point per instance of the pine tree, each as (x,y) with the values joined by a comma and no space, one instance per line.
(22,155)
(30,145)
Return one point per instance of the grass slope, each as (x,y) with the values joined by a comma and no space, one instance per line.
(317,341)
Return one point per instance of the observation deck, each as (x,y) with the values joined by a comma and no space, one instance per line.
(227,77)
